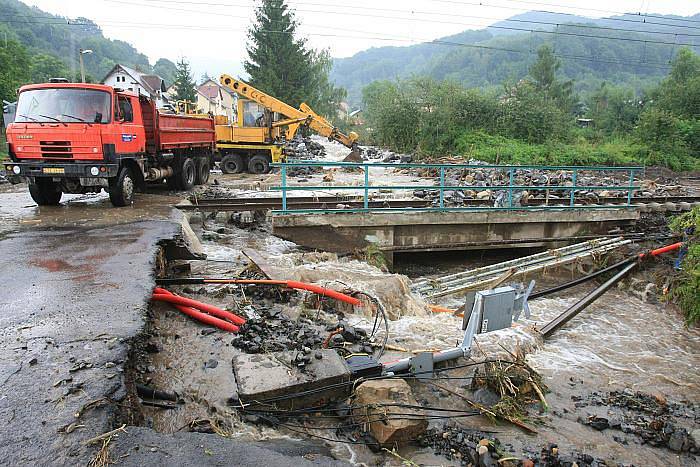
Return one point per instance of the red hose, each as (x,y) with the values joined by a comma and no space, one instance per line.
(291,284)
(184,309)
(196,314)
(188,302)
(662,250)
(207,319)
(324,292)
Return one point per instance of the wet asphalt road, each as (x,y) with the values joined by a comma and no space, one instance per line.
(75,283)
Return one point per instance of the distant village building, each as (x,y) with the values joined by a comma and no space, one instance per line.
(127,78)
(215,99)
(584,122)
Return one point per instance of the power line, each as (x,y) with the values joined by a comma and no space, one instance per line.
(390,38)
(558,5)
(429,13)
(645,64)
(509,28)
(412,12)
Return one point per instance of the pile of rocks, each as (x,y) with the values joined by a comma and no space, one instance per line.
(304,148)
(475,448)
(376,154)
(468,447)
(555,181)
(650,418)
(275,332)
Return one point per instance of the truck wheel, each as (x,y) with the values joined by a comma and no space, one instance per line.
(121,188)
(45,192)
(185,179)
(202,176)
(232,164)
(259,165)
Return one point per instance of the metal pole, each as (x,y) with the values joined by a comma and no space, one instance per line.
(581,280)
(442,187)
(582,304)
(366,186)
(572,193)
(284,188)
(82,67)
(629,188)
(510,187)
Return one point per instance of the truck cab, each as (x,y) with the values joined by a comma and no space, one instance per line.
(79,138)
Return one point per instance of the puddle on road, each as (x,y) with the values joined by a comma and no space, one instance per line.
(18,211)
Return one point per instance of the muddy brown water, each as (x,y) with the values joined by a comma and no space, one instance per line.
(619,342)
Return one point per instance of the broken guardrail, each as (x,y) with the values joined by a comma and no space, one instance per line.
(505,202)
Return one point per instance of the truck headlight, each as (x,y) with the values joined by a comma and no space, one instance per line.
(94,171)
(16,170)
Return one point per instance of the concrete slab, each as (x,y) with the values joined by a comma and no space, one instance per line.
(445,231)
(261,377)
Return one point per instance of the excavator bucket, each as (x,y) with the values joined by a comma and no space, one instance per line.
(354,156)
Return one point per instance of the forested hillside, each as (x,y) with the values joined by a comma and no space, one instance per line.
(35,45)
(591,52)
(533,121)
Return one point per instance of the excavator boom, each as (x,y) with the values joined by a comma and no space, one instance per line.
(295,117)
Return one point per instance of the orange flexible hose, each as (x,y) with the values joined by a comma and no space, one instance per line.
(662,250)
(317,289)
(188,302)
(198,315)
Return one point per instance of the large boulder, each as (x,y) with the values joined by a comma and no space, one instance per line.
(373,401)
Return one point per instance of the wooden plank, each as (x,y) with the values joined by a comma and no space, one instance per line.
(266,268)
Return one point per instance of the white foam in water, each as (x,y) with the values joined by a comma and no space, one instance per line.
(220,252)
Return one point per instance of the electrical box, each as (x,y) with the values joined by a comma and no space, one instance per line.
(497,311)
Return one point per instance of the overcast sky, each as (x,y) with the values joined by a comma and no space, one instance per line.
(212,33)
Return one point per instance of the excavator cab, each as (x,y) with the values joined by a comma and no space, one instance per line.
(262,126)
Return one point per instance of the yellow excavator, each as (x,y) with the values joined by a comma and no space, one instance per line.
(261,128)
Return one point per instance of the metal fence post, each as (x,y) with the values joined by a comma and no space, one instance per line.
(283,173)
(572,192)
(511,176)
(629,188)
(442,187)
(366,186)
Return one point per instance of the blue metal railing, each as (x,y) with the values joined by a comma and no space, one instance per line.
(441,187)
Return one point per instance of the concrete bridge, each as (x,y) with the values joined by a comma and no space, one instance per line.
(407,231)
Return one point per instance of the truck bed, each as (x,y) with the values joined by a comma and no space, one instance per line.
(166,132)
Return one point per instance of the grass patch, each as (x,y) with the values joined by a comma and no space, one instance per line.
(581,151)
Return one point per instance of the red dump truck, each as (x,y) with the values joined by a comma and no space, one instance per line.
(81,138)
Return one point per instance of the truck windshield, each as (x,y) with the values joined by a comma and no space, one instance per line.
(68,105)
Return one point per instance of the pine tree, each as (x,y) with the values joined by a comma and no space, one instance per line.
(544,75)
(184,82)
(282,65)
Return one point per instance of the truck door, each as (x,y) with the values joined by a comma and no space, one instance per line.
(131,137)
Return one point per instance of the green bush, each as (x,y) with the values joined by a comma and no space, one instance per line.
(499,149)
(3,146)
(686,289)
